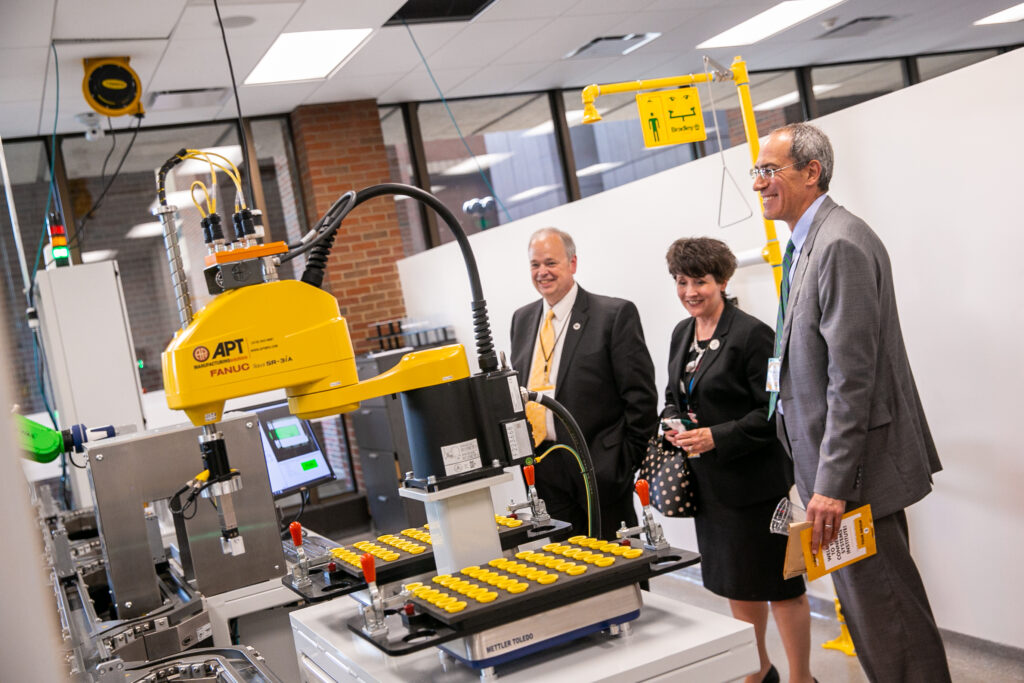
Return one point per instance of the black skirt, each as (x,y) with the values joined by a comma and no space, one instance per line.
(740,558)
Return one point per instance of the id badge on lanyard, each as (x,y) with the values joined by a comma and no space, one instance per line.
(774,370)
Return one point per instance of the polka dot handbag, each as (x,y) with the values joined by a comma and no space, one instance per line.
(667,471)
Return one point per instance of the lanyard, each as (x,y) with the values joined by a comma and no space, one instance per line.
(548,354)
(694,346)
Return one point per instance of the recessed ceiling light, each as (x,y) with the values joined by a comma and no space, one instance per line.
(306,55)
(769,22)
(612,46)
(1007,16)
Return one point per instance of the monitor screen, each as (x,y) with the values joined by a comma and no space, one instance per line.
(294,458)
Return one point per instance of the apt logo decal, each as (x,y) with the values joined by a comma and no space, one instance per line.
(201,353)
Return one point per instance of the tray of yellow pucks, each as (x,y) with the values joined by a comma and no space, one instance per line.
(507,581)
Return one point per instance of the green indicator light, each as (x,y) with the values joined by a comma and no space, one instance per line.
(60,252)
(309,465)
(141,365)
(286,432)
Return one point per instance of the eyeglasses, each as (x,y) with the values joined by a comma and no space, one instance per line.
(769,173)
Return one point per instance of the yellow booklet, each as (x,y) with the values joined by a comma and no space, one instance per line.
(855,542)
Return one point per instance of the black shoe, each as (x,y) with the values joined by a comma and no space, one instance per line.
(772,676)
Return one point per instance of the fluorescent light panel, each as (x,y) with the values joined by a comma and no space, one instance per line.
(306,55)
(768,23)
(1007,16)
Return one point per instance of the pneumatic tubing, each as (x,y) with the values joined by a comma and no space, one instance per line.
(486,357)
(587,468)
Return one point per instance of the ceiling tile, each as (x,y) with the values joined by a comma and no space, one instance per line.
(19,73)
(496,78)
(259,100)
(191,64)
(21,119)
(391,50)
(26,23)
(560,37)
(417,85)
(199,21)
(344,88)
(115,19)
(483,43)
(566,74)
(320,15)
(503,10)
(592,7)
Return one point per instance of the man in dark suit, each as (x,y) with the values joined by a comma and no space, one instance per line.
(589,352)
(849,411)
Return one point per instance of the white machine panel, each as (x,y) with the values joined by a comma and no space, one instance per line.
(89,351)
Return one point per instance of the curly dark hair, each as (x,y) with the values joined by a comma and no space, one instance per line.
(700,256)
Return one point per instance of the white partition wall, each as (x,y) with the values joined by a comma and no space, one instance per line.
(936,170)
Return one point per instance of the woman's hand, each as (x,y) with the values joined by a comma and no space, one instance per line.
(694,441)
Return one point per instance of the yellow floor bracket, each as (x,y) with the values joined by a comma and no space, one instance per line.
(844,643)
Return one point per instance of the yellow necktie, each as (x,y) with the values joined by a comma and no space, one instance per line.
(540,378)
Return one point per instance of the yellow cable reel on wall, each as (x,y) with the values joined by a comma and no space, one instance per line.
(111,86)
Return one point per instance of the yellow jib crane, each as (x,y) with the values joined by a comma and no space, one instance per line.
(736,72)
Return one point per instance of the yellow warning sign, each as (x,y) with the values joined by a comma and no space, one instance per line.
(671,117)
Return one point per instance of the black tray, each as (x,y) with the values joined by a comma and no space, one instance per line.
(348,578)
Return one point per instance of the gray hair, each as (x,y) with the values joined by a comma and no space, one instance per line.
(570,246)
(809,143)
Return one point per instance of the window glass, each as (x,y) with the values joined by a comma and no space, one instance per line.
(514,170)
(283,220)
(773,95)
(838,87)
(936,65)
(776,100)
(122,227)
(410,216)
(29,169)
(611,152)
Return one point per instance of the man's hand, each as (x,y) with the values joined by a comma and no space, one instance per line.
(693,441)
(825,513)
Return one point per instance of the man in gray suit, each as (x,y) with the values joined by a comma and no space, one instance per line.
(849,411)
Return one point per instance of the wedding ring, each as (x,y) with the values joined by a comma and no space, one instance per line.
(828,526)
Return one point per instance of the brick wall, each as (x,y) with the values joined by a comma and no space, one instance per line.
(340,147)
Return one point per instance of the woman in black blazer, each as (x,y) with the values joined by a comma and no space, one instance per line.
(718,362)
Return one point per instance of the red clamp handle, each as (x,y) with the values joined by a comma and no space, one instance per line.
(369,568)
(643,490)
(528,474)
(296,531)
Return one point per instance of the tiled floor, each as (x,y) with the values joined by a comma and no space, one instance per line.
(970,660)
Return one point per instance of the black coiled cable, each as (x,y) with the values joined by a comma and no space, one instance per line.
(487,359)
